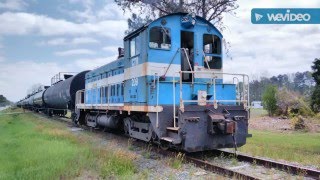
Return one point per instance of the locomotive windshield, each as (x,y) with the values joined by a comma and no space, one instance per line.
(213,62)
(160,38)
(211,44)
(212,47)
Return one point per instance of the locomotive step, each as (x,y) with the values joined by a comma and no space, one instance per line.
(169,139)
(173,128)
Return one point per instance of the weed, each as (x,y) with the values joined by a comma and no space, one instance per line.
(234,161)
(130,146)
(117,164)
(147,153)
(176,162)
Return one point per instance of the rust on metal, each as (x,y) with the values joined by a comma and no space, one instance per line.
(231,127)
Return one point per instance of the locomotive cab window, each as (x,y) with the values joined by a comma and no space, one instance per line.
(211,44)
(160,38)
(212,62)
(134,46)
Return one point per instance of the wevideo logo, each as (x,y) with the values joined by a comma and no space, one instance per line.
(285,16)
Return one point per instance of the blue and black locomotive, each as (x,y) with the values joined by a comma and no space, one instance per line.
(168,87)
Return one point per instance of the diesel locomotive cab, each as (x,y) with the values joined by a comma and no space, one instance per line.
(208,113)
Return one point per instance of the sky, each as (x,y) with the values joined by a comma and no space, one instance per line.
(41,38)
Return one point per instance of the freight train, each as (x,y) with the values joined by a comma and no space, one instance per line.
(167,87)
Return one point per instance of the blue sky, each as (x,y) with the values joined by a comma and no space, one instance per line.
(39,38)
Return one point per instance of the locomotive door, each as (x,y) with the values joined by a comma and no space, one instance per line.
(187,54)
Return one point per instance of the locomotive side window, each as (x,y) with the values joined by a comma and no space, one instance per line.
(211,44)
(160,38)
(134,46)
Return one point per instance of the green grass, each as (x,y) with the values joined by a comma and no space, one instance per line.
(34,148)
(296,147)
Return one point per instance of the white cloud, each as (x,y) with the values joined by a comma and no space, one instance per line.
(270,49)
(113,49)
(56,42)
(13,4)
(75,52)
(70,42)
(27,23)
(84,40)
(93,63)
(92,13)
(17,78)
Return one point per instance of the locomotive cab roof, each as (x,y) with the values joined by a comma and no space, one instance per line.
(145,26)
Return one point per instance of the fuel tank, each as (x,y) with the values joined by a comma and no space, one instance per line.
(62,94)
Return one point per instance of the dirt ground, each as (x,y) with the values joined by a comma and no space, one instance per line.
(259,120)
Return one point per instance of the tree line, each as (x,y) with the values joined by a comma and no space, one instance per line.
(282,96)
(299,82)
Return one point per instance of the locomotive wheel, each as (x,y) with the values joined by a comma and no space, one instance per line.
(164,146)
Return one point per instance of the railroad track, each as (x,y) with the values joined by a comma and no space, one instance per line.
(202,163)
(292,169)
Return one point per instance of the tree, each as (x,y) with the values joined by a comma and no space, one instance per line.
(269,99)
(316,71)
(211,10)
(315,97)
(4,101)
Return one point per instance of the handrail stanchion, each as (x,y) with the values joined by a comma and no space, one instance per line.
(181,101)
(237,85)
(174,101)
(157,99)
(243,88)
(248,90)
(214,93)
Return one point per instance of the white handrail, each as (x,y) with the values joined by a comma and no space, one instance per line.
(158,87)
(245,98)
(174,102)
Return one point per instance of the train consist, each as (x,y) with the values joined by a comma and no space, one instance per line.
(167,87)
(58,98)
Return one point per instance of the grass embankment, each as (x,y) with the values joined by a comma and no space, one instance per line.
(296,147)
(293,146)
(35,148)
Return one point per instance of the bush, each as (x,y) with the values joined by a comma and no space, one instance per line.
(298,123)
(300,107)
(269,100)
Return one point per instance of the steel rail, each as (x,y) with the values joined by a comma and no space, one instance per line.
(208,166)
(292,169)
(218,169)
